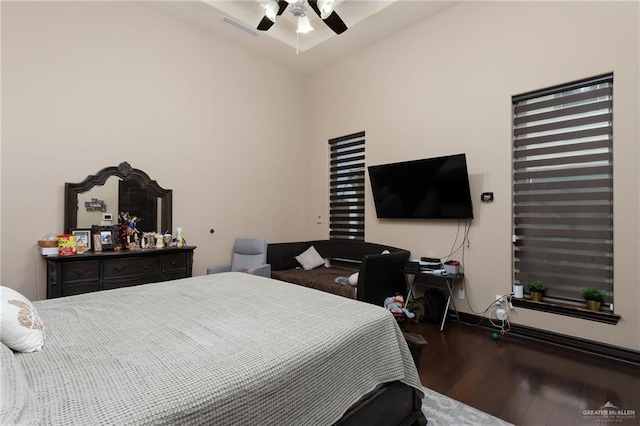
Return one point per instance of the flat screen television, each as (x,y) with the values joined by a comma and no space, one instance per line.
(430,188)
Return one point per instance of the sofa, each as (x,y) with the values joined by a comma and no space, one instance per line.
(379,275)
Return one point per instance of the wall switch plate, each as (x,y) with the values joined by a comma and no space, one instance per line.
(461,293)
(486,197)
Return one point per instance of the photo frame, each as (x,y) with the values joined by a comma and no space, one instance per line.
(97,244)
(85,235)
(106,236)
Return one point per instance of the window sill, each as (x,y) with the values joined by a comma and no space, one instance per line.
(567,310)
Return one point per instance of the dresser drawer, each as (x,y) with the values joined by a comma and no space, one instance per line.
(143,279)
(174,275)
(175,261)
(131,267)
(81,271)
(80,288)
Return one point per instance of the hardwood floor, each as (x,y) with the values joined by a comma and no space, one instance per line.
(522,382)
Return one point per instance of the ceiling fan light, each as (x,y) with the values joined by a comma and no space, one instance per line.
(304,26)
(271,10)
(326,7)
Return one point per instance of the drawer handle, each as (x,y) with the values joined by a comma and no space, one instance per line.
(83,272)
(119,269)
(146,266)
(174,262)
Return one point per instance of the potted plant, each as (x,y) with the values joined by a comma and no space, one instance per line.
(537,287)
(594,297)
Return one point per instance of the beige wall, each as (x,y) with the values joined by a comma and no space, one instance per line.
(444,86)
(89,85)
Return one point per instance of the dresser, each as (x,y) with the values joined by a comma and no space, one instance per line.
(83,273)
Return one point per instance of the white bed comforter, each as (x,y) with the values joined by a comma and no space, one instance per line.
(224,349)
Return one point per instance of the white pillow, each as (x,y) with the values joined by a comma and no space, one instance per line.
(20,325)
(310,259)
(353,279)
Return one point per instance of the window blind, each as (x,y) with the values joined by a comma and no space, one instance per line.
(563,187)
(346,187)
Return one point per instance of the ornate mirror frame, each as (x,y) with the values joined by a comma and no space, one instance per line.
(125,172)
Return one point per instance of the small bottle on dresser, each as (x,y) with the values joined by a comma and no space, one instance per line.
(180,239)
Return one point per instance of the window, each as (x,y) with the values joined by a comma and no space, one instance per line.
(563,188)
(346,187)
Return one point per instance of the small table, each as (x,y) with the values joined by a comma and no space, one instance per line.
(447,281)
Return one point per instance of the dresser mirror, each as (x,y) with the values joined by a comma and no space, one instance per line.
(113,190)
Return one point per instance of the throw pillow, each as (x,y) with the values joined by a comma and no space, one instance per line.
(310,259)
(20,325)
(353,280)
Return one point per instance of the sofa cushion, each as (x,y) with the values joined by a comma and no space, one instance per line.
(353,279)
(283,255)
(320,279)
(349,249)
(310,259)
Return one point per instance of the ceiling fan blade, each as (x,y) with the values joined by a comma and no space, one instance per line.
(267,23)
(336,23)
(283,5)
(333,21)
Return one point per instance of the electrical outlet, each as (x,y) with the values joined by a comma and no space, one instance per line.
(461,293)
(499,298)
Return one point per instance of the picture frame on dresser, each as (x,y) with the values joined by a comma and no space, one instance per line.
(85,235)
(107,236)
(97,244)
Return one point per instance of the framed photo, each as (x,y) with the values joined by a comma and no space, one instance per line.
(84,235)
(106,236)
(97,244)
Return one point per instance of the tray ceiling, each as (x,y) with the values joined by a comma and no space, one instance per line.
(368,21)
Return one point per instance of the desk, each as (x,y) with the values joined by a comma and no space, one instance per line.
(447,281)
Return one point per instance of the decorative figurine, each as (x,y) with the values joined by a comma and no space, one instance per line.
(127,230)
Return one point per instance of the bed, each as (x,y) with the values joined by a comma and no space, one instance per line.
(219,349)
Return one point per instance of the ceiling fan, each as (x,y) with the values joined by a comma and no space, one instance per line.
(322,8)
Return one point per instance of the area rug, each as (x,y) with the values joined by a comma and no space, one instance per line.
(440,410)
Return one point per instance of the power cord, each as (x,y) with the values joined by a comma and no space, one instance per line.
(465,239)
(494,307)
(496,310)
(451,251)
(502,314)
